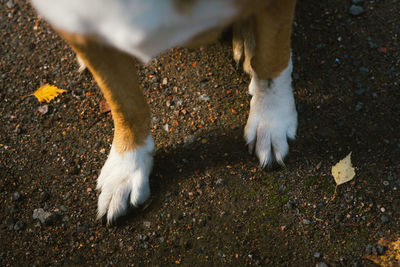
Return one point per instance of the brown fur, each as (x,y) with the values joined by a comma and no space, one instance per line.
(264,38)
(272,31)
(243,43)
(115,73)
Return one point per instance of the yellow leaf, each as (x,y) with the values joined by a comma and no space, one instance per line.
(343,171)
(47,92)
(391,256)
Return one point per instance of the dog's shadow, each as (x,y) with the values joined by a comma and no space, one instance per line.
(176,163)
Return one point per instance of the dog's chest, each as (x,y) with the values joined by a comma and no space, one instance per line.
(143,28)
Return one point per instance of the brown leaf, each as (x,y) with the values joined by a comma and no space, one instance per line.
(104,107)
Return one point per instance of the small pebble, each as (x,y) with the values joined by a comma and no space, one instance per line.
(321,264)
(10,4)
(16,196)
(19,226)
(305,221)
(43,109)
(359,106)
(385,219)
(317,255)
(147,224)
(46,218)
(187,140)
(356,10)
(44,196)
(220,181)
(65,219)
(63,208)
(204,97)
(166,127)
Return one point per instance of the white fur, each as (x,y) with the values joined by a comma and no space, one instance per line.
(143,28)
(123,175)
(273,117)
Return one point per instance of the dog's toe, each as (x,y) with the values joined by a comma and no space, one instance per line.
(272,118)
(124,180)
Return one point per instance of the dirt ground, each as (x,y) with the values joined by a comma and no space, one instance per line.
(211,203)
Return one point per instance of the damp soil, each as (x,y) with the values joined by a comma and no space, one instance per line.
(211,203)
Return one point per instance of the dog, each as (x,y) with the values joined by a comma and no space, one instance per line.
(110,36)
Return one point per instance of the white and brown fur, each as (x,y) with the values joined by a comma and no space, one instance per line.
(109,35)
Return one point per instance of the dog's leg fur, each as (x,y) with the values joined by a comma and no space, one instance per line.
(125,175)
(273,117)
(243,44)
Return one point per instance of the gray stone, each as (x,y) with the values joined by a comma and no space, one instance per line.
(19,226)
(356,10)
(44,196)
(305,221)
(147,224)
(63,208)
(204,97)
(317,255)
(359,106)
(10,4)
(46,218)
(220,181)
(187,140)
(385,219)
(321,264)
(16,196)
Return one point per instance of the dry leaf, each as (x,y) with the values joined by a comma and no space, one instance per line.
(104,107)
(47,92)
(391,256)
(343,171)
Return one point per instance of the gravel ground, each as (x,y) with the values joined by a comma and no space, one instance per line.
(211,203)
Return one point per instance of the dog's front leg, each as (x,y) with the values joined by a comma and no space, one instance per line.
(124,177)
(273,117)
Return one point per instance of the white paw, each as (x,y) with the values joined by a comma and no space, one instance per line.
(124,179)
(272,119)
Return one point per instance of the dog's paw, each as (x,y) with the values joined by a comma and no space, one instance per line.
(272,118)
(124,180)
